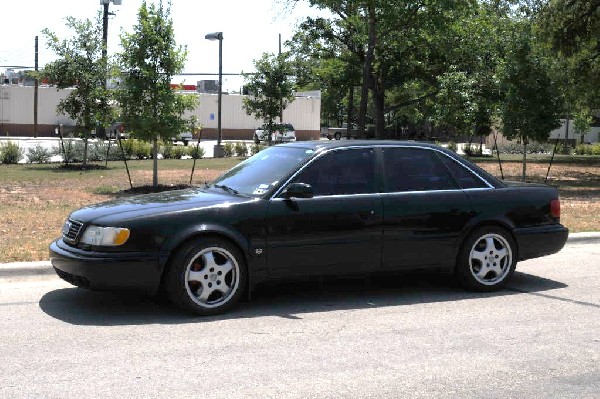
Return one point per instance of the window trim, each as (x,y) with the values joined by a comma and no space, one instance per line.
(320,154)
(379,169)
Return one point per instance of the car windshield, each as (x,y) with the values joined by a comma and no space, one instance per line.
(257,175)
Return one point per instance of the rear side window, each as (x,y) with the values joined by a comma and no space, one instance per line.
(341,172)
(465,178)
(415,169)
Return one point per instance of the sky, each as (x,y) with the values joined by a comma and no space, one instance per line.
(250,27)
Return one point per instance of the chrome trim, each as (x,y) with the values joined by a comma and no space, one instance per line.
(431,191)
(330,196)
(467,168)
(73,229)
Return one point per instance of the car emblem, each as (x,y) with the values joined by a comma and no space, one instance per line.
(258,251)
(66,228)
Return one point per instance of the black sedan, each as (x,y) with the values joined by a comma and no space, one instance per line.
(313,208)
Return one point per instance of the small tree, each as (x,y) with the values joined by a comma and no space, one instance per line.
(80,64)
(150,58)
(531,106)
(270,88)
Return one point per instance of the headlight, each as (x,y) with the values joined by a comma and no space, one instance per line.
(105,236)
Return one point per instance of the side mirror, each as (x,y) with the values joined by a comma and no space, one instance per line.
(299,190)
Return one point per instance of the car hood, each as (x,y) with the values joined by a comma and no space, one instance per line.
(140,206)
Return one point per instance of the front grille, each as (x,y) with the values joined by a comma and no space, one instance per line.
(77,281)
(71,230)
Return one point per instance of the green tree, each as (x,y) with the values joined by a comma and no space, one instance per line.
(398,46)
(322,61)
(468,93)
(531,105)
(80,65)
(150,58)
(270,88)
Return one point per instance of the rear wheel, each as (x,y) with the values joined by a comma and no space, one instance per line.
(207,276)
(256,139)
(337,135)
(487,259)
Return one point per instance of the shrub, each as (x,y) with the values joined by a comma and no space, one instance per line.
(142,149)
(38,154)
(256,148)
(452,146)
(196,152)
(10,153)
(241,149)
(587,149)
(472,150)
(179,151)
(128,147)
(532,148)
(167,150)
(228,149)
(114,152)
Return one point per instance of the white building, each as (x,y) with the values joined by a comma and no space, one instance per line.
(16,114)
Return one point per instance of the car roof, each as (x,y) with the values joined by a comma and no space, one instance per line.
(322,145)
(329,144)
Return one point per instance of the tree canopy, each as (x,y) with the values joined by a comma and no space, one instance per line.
(150,108)
(80,65)
(270,88)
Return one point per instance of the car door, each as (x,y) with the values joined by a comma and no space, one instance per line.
(424,209)
(339,229)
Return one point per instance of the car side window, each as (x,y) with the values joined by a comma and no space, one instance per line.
(465,178)
(415,169)
(340,172)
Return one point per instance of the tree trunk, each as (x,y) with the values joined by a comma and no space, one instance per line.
(367,71)
(524,158)
(350,110)
(155,163)
(379,102)
(85,150)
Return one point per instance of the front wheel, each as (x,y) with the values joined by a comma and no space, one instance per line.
(256,139)
(338,135)
(487,259)
(207,276)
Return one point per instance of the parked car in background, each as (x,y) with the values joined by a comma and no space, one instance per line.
(339,132)
(184,137)
(311,209)
(282,133)
(116,130)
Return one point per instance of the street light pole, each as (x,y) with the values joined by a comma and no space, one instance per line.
(218,149)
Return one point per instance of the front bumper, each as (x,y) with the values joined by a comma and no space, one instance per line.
(534,242)
(106,271)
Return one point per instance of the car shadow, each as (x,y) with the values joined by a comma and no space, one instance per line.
(282,299)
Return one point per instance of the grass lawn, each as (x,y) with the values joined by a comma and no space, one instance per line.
(36,199)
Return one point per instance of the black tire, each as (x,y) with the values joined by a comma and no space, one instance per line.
(256,139)
(185,143)
(487,259)
(337,135)
(207,276)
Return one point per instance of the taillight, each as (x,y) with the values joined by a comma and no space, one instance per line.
(555,208)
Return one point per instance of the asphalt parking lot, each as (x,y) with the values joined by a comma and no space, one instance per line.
(412,336)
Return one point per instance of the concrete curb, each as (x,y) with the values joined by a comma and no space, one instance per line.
(18,269)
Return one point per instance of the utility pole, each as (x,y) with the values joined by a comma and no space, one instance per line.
(35,93)
(281,100)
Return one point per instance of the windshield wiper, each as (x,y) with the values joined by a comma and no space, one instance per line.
(226,188)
